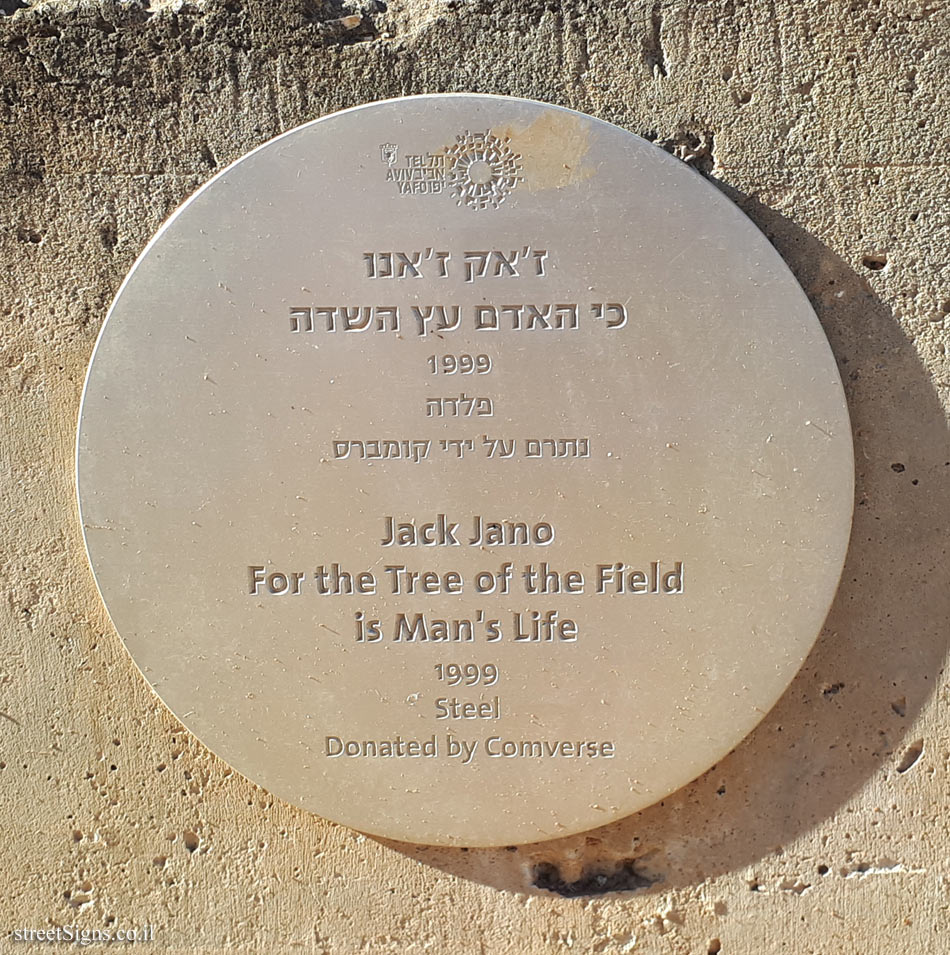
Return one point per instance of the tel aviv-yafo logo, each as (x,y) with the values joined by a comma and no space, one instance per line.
(479,170)
(483,170)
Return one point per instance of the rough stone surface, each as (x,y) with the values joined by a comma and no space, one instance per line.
(827,830)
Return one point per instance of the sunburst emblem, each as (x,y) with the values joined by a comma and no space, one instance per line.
(483,170)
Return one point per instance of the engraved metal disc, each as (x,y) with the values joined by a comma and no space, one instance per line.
(465,469)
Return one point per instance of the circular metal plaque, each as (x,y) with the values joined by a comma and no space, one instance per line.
(464,469)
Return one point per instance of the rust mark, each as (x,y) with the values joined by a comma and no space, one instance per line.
(552,150)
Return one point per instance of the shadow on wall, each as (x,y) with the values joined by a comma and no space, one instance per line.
(845,717)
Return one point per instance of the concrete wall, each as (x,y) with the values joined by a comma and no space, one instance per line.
(827,830)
